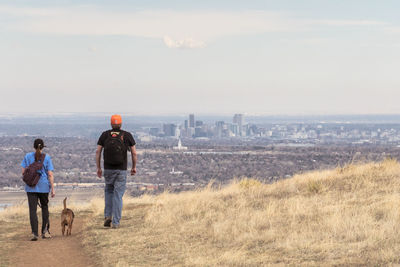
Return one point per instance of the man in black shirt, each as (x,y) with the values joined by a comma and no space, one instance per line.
(116,143)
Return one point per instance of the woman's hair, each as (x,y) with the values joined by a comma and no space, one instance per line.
(38,153)
(38,145)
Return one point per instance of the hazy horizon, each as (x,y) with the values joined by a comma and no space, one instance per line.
(103,117)
(186,113)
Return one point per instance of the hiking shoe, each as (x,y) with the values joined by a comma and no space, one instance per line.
(107,221)
(115,226)
(46,235)
(34,238)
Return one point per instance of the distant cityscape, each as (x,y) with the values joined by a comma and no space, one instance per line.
(288,132)
(183,152)
(237,129)
(192,128)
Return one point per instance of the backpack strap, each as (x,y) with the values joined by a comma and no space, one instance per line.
(122,139)
(42,157)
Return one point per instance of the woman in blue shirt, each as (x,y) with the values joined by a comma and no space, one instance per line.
(39,192)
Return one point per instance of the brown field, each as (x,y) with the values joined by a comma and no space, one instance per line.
(346,216)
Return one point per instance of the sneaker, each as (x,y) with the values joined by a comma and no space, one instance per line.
(46,235)
(107,221)
(115,226)
(34,238)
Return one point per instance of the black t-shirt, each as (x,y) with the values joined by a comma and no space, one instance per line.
(128,141)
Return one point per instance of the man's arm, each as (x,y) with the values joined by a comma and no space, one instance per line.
(98,157)
(134,160)
(51,180)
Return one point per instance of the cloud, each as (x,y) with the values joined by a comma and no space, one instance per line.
(351,22)
(27,11)
(199,25)
(183,43)
(174,27)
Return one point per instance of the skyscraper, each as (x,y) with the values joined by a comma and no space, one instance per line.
(191,120)
(219,128)
(239,120)
(169,129)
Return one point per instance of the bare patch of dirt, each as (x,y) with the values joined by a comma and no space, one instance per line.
(56,251)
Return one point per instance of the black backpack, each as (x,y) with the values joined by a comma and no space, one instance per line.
(31,174)
(115,149)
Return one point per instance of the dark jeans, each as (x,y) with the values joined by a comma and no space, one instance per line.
(33,203)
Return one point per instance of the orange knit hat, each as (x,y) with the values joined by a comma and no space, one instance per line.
(116,119)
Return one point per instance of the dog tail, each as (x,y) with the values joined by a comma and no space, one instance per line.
(65,203)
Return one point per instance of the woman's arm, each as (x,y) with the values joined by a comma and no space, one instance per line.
(23,170)
(51,180)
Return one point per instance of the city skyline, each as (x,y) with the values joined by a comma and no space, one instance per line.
(209,57)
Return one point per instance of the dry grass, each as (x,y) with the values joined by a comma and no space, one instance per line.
(11,220)
(346,216)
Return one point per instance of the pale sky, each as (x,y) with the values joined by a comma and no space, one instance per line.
(205,57)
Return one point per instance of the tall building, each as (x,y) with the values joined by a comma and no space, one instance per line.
(191,120)
(239,120)
(234,129)
(154,131)
(199,132)
(169,129)
(219,128)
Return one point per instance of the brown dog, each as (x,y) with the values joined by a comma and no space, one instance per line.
(67,218)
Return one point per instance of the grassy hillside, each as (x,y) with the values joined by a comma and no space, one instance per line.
(11,221)
(346,216)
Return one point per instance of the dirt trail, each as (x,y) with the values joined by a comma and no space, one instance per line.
(56,251)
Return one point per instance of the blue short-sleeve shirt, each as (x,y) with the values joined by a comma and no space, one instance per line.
(43,186)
